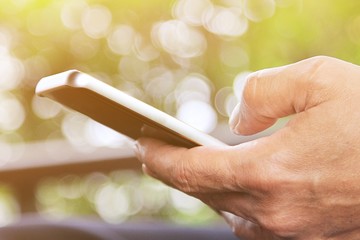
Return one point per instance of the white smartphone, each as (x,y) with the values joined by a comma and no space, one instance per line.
(119,111)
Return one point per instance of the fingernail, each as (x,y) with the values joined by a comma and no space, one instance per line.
(138,151)
(234,118)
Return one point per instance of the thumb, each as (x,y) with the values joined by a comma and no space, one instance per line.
(279,92)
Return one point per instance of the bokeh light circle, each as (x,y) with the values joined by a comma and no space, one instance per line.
(198,114)
(191,11)
(112,203)
(258,10)
(12,113)
(121,39)
(45,108)
(12,72)
(179,39)
(99,135)
(227,22)
(71,14)
(96,21)
(239,84)
(193,87)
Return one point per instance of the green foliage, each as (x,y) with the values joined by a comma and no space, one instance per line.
(44,44)
(151,61)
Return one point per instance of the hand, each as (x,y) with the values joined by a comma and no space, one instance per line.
(302,182)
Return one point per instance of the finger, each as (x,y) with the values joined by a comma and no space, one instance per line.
(278,92)
(232,179)
(208,170)
(178,167)
(158,158)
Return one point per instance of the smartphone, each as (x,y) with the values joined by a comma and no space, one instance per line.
(118,110)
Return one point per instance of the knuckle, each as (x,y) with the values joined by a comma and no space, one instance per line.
(272,182)
(279,216)
(276,209)
(277,174)
(269,178)
(323,86)
(182,177)
(320,59)
(191,175)
(315,63)
(314,66)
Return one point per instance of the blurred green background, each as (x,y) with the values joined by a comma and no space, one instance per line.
(186,57)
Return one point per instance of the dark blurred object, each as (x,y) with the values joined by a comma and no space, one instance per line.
(37,228)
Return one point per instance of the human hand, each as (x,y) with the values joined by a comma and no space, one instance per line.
(299,183)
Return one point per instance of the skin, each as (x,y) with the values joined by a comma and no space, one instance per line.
(302,182)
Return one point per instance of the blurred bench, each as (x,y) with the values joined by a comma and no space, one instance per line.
(56,158)
(36,161)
